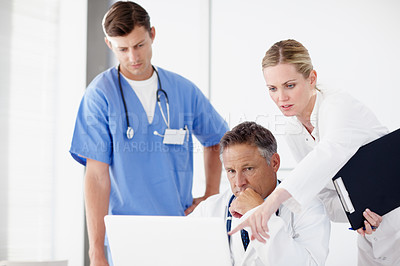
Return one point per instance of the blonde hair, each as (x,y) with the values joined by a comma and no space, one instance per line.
(289,52)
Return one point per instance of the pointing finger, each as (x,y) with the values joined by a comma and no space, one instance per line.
(239,227)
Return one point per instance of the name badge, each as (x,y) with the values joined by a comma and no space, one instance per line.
(174,136)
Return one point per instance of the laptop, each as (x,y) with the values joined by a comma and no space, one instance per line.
(167,240)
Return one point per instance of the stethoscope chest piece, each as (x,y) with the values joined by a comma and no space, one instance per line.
(129,133)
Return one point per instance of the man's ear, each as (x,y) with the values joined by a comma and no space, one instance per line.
(108,43)
(275,162)
(152,34)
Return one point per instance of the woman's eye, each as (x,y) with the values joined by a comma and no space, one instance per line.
(272,89)
(290,86)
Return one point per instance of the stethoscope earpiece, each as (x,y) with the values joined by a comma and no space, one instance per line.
(157,134)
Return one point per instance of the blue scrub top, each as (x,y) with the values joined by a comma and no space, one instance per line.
(147,176)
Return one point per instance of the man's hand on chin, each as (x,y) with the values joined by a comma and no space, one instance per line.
(245,201)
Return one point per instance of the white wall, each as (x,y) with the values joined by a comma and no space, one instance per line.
(44,79)
(353,45)
(71,82)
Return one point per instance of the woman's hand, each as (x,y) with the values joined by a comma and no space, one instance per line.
(371,223)
(258,221)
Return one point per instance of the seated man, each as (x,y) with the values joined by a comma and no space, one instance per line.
(248,153)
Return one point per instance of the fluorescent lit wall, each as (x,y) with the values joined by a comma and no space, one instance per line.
(41,209)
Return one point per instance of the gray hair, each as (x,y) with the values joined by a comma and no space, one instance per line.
(253,134)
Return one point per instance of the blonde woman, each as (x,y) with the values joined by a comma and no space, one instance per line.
(324,129)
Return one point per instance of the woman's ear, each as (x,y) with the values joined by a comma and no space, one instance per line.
(313,78)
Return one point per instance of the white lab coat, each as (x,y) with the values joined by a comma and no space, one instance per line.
(296,239)
(341,125)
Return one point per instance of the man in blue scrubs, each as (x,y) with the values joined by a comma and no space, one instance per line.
(140,171)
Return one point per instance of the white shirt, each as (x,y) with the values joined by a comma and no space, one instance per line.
(296,239)
(341,125)
(146,91)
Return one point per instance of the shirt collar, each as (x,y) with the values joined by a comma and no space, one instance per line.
(314,113)
(314,116)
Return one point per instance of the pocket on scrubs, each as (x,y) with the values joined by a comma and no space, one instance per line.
(180,157)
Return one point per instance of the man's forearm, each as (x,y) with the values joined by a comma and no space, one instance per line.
(213,167)
(97,193)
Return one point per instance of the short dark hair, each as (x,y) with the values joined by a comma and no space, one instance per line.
(123,17)
(253,134)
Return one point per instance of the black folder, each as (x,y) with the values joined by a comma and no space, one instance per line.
(371,179)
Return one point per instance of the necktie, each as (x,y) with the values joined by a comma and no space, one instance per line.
(245,238)
(243,233)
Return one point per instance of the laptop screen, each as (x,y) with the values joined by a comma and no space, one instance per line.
(167,240)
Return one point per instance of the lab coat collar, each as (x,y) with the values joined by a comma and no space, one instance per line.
(250,255)
(314,116)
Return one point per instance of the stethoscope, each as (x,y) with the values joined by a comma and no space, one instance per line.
(129,131)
